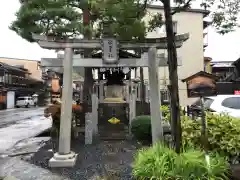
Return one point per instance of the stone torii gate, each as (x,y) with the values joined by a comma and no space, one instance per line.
(110,47)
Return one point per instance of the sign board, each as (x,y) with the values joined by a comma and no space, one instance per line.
(201,84)
(237,92)
(110,50)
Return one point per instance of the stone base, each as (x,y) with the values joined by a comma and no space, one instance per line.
(67,160)
(114,100)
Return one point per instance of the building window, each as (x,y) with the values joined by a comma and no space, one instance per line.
(10,79)
(162,29)
(38,66)
(164,96)
(1,78)
(14,79)
(6,78)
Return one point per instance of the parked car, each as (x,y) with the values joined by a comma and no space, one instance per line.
(229,104)
(195,108)
(25,101)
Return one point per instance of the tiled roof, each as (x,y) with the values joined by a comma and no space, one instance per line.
(9,67)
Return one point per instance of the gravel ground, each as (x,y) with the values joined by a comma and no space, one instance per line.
(110,159)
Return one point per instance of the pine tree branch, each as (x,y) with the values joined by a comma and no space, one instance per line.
(143,8)
(181,8)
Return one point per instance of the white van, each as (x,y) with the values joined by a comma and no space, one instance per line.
(25,101)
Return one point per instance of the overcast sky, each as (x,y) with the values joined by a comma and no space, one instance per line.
(220,48)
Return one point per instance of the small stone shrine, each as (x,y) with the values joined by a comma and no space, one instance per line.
(110,58)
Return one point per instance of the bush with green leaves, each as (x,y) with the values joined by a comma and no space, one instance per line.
(141,128)
(223,134)
(165,113)
(141,125)
(162,163)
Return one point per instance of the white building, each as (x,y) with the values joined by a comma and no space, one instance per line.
(191,53)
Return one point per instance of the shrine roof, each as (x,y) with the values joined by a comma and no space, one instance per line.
(200,73)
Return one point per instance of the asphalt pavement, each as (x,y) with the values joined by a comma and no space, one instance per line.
(12,116)
(17,125)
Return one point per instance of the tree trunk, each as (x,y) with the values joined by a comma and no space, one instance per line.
(173,77)
(142,85)
(87,90)
(88,76)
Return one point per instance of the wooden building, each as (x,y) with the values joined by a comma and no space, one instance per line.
(230,81)
(15,82)
(223,69)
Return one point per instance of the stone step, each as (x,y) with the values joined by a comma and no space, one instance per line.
(114,133)
(108,131)
(111,137)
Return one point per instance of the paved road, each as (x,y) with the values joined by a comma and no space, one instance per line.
(11,116)
(18,125)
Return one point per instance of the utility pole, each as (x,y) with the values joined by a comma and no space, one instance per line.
(173,77)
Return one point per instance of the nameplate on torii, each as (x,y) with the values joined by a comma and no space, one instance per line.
(110,51)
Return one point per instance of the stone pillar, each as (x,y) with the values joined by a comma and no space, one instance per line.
(146,93)
(101,91)
(88,128)
(127,92)
(156,121)
(48,90)
(96,91)
(81,92)
(139,91)
(64,157)
(132,106)
(95,114)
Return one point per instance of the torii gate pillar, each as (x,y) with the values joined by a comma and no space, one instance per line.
(64,157)
(155,102)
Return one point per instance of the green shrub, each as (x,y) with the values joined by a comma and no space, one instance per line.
(223,134)
(141,128)
(162,163)
(165,113)
(141,125)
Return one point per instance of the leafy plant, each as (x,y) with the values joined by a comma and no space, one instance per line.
(141,128)
(223,134)
(165,113)
(162,163)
